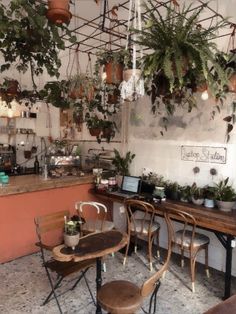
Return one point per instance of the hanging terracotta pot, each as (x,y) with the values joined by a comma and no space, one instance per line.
(232,83)
(12,87)
(114,73)
(58,11)
(129,72)
(114,97)
(95,131)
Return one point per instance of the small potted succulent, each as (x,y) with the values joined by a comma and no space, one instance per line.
(197,194)
(71,232)
(225,195)
(185,193)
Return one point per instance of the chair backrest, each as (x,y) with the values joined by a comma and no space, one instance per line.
(97,212)
(189,224)
(145,215)
(149,285)
(49,228)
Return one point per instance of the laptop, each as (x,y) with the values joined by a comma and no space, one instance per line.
(129,187)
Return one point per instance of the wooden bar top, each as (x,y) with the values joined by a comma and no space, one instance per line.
(208,218)
(33,183)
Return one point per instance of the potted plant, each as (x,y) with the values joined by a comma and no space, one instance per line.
(197,194)
(108,129)
(113,63)
(185,193)
(82,86)
(225,195)
(71,233)
(182,54)
(209,195)
(122,164)
(172,190)
(58,11)
(94,124)
(31,43)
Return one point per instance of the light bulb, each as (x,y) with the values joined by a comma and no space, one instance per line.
(205,95)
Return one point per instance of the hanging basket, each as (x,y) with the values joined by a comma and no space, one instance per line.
(128,73)
(13,87)
(58,11)
(95,131)
(114,73)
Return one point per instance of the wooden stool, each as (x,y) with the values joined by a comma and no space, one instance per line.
(225,307)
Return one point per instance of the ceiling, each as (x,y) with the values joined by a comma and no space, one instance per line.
(102,24)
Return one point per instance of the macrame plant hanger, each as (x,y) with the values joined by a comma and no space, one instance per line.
(132,86)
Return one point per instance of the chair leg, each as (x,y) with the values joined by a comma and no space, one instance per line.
(135,244)
(80,277)
(150,240)
(206,262)
(192,268)
(53,290)
(126,253)
(158,244)
(182,258)
(90,292)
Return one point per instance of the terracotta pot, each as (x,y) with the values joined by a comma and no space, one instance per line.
(71,240)
(76,93)
(128,73)
(114,73)
(232,83)
(58,11)
(27,154)
(95,131)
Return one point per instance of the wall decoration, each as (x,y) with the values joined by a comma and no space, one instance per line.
(206,154)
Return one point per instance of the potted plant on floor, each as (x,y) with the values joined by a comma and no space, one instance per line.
(71,233)
(182,54)
(225,195)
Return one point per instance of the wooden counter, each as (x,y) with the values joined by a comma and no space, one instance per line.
(33,183)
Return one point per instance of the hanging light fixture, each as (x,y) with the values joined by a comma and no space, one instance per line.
(132,86)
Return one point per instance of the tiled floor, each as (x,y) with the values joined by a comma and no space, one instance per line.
(24,286)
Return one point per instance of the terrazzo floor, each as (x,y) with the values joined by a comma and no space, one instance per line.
(24,286)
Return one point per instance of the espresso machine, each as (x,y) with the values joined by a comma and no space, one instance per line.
(7,158)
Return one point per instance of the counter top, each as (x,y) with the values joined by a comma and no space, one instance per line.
(33,183)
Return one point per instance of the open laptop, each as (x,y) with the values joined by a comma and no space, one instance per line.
(129,186)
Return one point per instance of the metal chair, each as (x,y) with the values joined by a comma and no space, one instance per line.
(124,297)
(142,225)
(98,221)
(188,240)
(49,229)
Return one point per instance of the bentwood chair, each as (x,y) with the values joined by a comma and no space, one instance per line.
(49,229)
(141,224)
(124,297)
(190,241)
(98,214)
(98,222)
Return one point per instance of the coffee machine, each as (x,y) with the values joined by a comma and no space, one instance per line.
(7,158)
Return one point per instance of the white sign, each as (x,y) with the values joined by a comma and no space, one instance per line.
(216,155)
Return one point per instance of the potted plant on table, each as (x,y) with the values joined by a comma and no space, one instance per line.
(172,190)
(225,195)
(185,193)
(197,194)
(122,164)
(209,195)
(71,233)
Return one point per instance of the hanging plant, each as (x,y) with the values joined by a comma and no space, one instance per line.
(29,40)
(183,55)
(58,11)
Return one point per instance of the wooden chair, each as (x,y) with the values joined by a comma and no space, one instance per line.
(50,227)
(190,241)
(99,213)
(142,225)
(124,297)
(96,224)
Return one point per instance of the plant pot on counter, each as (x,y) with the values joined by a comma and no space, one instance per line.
(209,203)
(225,206)
(197,201)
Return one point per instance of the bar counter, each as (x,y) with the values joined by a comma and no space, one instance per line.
(29,196)
(33,183)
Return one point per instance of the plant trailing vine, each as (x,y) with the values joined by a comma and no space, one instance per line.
(182,57)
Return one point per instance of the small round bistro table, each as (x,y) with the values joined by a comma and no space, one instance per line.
(95,245)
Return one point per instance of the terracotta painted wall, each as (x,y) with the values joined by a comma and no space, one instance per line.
(17,212)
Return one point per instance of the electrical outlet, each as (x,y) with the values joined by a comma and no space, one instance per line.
(233,243)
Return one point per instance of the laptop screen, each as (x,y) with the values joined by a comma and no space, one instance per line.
(130,184)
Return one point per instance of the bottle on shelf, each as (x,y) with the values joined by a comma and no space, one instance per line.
(36,165)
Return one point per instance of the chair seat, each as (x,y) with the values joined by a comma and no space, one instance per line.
(199,239)
(91,226)
(143,226)
(120,296)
